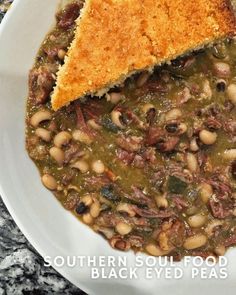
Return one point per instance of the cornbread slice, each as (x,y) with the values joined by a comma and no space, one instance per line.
(115,38)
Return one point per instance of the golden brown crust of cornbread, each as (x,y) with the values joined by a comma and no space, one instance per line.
(115,38)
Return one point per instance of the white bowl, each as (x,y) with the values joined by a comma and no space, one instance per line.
(52,230)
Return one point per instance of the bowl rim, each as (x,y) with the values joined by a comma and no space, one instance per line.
(17,218)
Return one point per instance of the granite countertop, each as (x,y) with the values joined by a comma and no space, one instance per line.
(22,269)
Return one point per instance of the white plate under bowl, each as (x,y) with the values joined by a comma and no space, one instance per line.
(51,229)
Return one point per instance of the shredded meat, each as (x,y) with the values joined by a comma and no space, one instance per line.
(213,124)
(73,152)
(92,109)
(158,137)
(156,86)
(139,197)
(130,144)
(154,135)
(151,116)
(111,219)
(218,210)
(168,145)
(126,157)
(41,81)
(71,201)
(150,155)
(138,161)
(230,127)
(81,124)
(221,187)
(136,241)
(96,182)
(152,213)
(179,202)
(67,17)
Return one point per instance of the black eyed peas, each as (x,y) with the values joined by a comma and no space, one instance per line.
(81,136)
(173,114)
(116,119)
(57,154)
(207,137)
(114,97)
(81,165)
(44,134)
(40,116)
(49,182)
(231,92)
(123,228)
(230,154)
(205,191)
(62,138)
(98,167)
(195,242)
(192,162)
(197,220)
(155,250)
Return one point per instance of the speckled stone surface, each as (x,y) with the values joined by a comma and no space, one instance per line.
(22,269)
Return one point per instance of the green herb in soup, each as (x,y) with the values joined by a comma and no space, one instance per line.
(152,165)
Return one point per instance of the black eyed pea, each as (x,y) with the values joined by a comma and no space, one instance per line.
(197,220)
(114,97)
(49,182)
(62,138)
(220,250)
(81,136)
(155,250)
(206,191)
(123,228)
(220,85)
(87,200)
(207,137)
(81,165)
(95,209)
(147,107)
(40,116)
(125,208)
(192,162)
(98,167)
(231,93)
(195,242)
(182,128)
(57,154)
(193,145)
(161,202)
(44,134)
(93,124)
(61,54)
(230,154)
(115,117)
(173,114)
(87,218)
